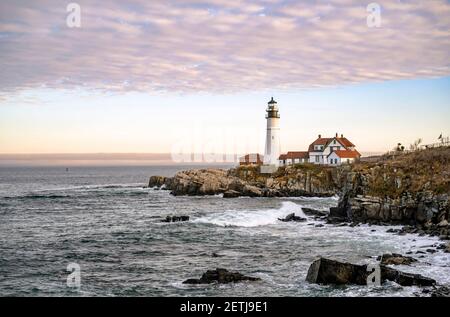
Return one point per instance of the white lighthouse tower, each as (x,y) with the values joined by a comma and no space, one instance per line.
(273,149)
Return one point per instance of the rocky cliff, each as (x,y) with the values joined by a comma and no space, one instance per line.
(411,189)
(300,180)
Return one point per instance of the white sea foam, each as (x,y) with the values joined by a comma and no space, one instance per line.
(252,218)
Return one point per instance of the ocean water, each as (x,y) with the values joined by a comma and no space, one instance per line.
(104,220)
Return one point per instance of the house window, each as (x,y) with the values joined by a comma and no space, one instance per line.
(317,158)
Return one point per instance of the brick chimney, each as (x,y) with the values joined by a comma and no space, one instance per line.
(342,135)
(320,136)
(336,134)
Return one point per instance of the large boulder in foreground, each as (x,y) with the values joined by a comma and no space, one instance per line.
(326,271)
(221,276)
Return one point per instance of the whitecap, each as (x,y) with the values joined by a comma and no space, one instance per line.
(252,218)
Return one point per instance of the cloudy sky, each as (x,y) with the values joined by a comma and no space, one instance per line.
(151,76)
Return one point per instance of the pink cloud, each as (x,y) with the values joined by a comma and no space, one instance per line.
(219,46)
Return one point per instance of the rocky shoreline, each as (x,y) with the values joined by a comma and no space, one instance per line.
(411,190)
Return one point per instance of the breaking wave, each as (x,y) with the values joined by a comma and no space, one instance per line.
(252,218)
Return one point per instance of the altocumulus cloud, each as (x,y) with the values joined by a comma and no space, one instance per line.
(219,45)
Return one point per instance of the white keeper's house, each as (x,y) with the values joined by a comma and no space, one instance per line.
(326,151)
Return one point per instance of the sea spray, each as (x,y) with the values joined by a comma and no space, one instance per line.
(252,218)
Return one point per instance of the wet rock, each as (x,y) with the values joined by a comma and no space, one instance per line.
(326,271)
(221,276)
(157,181)
(176,218)
(431,251)
(292,217)
(251,191)
(314,212)
(231,194)
(443,223)
(441,291)
(395,259)
(405,279)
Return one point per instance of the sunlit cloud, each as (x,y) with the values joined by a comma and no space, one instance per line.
(219,46)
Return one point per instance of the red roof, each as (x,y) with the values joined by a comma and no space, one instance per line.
(345,142)
(297,155)
(325,141)
(294,155)
(347,154)
(319,141)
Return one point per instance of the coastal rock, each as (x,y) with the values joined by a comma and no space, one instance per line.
(248,181)
(441,291)
(314,212)
(176,218)
(231,194)
(326,271)
(395,259)
(292,217)
(157,181)
(410,189)
(251,191)
(221,276)
(443,223)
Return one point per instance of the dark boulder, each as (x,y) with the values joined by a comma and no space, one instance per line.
(231,194)
(405,279)
(221,276)
(176,218)
(441,291)
(292,217)
(341,213)
(314,212)
(326,271)
(395,259)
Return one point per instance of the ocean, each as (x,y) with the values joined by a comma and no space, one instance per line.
(104,220)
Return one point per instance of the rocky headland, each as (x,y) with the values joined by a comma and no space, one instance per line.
(410,189)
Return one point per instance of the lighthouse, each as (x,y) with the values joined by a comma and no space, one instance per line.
(272,151)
